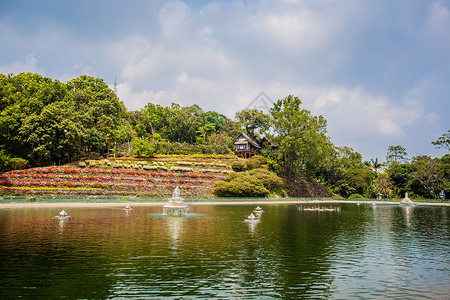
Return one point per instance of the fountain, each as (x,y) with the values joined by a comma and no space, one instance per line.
(407,201)
(252,219)
(175,205)
(62,216)
(318,208)
(128,208)
(258,210)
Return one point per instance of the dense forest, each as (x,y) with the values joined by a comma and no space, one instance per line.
(45,122)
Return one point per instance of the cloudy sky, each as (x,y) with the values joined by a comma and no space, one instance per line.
(378,71)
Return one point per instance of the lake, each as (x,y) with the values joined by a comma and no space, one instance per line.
(381,252)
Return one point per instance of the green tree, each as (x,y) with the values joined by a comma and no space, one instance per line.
(396,154)
(339,161)
(445,175)
(383,185)
(375,165)
(143,147)
(426,171)
(99,109)
(443,141)
(302,137)
(23,96)
(253,120)
(153,120)
(401,175)
(355,181)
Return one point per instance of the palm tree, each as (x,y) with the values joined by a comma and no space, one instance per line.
(375,165)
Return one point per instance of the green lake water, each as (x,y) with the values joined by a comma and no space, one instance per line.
(358,252)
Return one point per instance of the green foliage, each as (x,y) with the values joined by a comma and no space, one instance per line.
(255,183)
(49,122)
(143,147)
(355,196)
(273,166)
(355,181)
(426,171)
(375,165)
(443,141)
(17,163)
(187,148)
(253,120)
(383,185)
(400,174)
(4,158)
(256,161)
(238,166)
(396,154)
(445,175)
(302,137)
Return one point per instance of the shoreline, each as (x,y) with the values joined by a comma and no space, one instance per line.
(99,203)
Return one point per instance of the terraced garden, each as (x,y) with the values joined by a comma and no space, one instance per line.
(112,179)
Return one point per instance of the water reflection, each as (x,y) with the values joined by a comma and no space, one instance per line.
(387,252)
(174,226)
(407,210)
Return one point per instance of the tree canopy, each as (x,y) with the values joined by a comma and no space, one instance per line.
(304,144)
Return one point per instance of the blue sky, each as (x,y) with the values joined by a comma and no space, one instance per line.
(378,71)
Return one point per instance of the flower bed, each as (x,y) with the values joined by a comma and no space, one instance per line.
(88,182)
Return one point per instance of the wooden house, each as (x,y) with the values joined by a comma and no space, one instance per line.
(245,146)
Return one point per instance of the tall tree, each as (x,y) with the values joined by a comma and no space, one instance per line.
(383,185)
(100,111)
(401,175)
(302,136)
(253,120)
(21,97)
(375,165)
(427,171)
(396,154)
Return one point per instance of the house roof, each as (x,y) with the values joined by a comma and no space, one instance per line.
(249,139)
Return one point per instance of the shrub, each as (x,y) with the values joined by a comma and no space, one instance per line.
(143,147)
(17,163)
(255,162)
(256,183)
(267,178)
(239,188)
(238,166)
(355,196)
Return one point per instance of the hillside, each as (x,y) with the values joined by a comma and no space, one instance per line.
(133,178)
(117,178)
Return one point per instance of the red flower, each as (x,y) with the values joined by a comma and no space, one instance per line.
(5,183)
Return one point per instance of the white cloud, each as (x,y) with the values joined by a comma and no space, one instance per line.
(29,64)
(356,112)
(374,69)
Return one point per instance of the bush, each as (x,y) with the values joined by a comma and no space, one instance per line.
(239,188)
(255,162)
(143,147)
(355,196)
(17,163)
(256,183)
(238,166)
